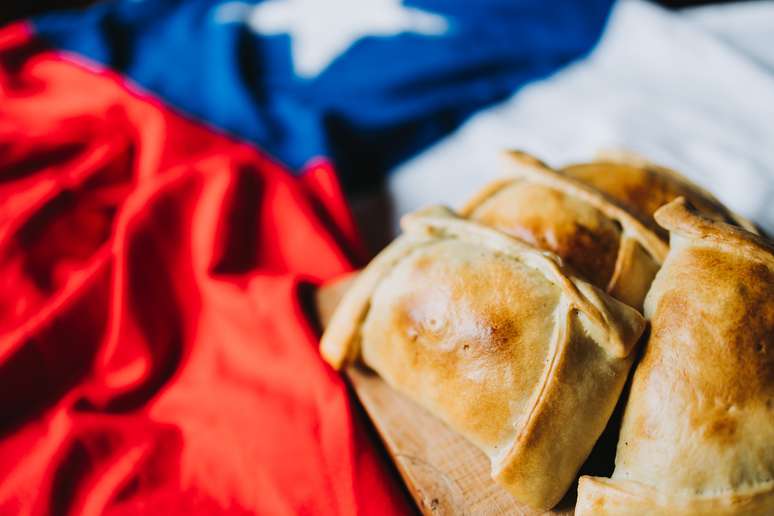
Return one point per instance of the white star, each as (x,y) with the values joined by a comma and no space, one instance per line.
(321,30)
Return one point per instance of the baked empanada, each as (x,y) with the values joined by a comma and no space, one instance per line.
(599,239)
(492,336)
(642,187)
(697,435)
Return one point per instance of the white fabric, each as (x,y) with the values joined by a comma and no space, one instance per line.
(749,27)
(693,90)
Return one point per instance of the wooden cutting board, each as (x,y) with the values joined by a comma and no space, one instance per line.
(443,472)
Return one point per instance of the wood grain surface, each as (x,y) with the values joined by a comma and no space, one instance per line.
(444,473)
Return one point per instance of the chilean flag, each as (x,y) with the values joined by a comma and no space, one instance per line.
(172,179)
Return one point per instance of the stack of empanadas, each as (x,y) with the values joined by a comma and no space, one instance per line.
(599,239)
(516,323)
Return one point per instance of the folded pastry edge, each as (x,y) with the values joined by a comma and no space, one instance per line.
(641,251)
(682,219)
(525,166)
(603,496)
(339,344)
(603,311)
(558,401)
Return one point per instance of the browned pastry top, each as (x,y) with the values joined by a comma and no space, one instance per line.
(642,188)
(550,219)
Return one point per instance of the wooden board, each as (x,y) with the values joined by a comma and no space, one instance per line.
(444,473)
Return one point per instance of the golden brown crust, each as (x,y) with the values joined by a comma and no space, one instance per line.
(601,311)
(681,217)
(642,187)
(339,344)
(579,377)
(492,336)
(590,232)
(698,429)
(582,235)
(524,166)
(603,497)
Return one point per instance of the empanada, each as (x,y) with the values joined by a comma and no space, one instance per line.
(697,435)
(601,240)
(492,336)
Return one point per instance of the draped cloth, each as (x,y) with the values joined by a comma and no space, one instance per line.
(158,353)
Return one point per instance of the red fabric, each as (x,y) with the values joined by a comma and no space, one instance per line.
(156,350)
